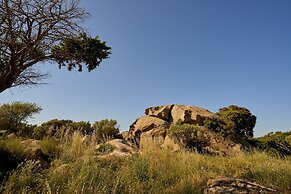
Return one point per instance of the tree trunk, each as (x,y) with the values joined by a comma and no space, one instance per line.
(6,83)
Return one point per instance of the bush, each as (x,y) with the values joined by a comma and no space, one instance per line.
(275,144)
(106,128)
(244,120)
(57,128)
(189,136)
(105,148)
(50,128)
(225,127)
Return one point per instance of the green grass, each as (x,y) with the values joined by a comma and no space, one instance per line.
(77,168)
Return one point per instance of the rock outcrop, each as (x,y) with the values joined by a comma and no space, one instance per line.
(152,128)
(121,148)
(235,186)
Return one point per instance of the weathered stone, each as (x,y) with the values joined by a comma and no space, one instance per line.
(153,137)
(190,114)
(231,185)
(152,129)
(170,144)
(122,148)
(162,112)
(125,135)
(146,123)
(11,136)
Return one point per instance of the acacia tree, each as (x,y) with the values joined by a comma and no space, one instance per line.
(35,31)
(16,113)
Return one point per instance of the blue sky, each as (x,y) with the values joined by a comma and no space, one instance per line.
(204,53)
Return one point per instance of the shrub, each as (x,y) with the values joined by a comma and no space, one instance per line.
(105,148)
(106,128)
(225,127)
(57,128)
(50,128)
(189,136)
(244,120)
(81,126)
(275,144)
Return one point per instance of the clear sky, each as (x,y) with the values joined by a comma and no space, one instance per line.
(206,53)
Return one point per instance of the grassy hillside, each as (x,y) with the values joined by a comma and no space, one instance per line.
(76,167)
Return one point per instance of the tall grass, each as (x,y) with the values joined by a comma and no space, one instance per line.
(79,169)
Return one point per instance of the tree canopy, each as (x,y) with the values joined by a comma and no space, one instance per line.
(16,113)
(106,128)
(244,120)
(36,31)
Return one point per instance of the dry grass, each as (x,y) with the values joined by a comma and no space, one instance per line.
(78,169)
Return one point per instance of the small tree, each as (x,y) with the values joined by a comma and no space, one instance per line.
(16,114)
(244,120)
(106,128)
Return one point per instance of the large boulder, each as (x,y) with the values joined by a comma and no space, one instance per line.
(121,148)
(146,123)
(162,112)
(171,144)
(161,117)
(235,185)
(190,114)
(155,137)
(153,129)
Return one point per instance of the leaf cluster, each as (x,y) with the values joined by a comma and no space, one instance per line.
(75,51)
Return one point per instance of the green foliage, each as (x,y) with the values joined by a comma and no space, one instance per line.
(106,128)
(14,116)
(34,32)
(277,136)
(105,148)
(223,126)
(50,147)
(276,144)
(244,120)
(50,128)
(75,51)
(81,126)
(189,136)
(57,128)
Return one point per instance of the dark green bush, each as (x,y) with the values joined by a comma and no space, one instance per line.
(189,136)
(225,127)
(244,120)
